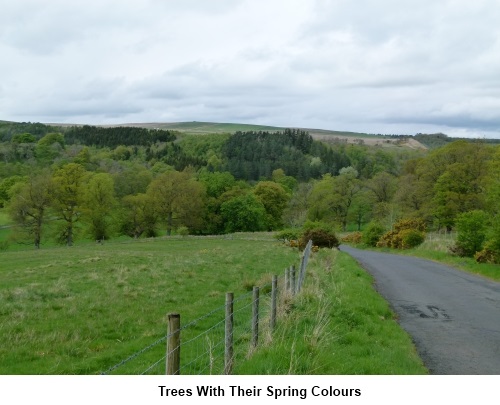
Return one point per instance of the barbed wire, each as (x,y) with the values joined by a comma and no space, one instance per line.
(214,342)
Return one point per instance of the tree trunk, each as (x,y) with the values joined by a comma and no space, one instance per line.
(169,223)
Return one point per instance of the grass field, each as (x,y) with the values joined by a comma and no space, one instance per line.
(81,310)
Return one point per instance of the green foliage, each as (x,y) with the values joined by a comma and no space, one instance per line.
(406,233)
(372,234)
(472,230)
(244,213)
(286,235)
(23,138)
(411,238)
(67,196)
(178,199)
(182,231)
(5,186)
(274,198)
(321,234)
(116,136)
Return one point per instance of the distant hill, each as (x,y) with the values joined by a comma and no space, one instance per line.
(418,141)
(328,136)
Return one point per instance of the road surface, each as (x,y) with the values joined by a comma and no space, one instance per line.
(452,316)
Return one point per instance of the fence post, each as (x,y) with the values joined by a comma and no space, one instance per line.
(287,279)
(292,282)
(228,341)
(173,344)
(303,265)
(255,316)
(274,299)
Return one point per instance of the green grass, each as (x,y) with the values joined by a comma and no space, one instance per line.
(338,325)
(84,309)
(81,310)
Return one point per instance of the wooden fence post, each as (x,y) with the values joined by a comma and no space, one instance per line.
(228,341)
(287,279)
(292,282)
(173,344)
(274,300)
(255,316)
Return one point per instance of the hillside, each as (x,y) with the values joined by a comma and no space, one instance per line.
(329,136)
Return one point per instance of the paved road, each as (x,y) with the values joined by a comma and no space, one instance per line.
(453,317)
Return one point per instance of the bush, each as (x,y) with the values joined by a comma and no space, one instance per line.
(407,233)
(487,256)
(411,238)
(354,237)
(183,231)
(287,235)
(372,234)
(321,235)
(471,233)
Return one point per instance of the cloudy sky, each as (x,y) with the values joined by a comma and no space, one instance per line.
(378,66)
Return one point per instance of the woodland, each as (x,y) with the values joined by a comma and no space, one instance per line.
(68,183)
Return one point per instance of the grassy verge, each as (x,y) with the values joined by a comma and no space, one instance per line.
(338,325)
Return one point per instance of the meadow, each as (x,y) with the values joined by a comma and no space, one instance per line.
(80,310)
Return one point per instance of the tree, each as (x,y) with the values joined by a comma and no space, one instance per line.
(67,198)
(99,203)
(471,232)
(383,186)
(29,204)
(178,199)
(295,214)
(5,186)
(244,213)
(49,147)
(274,198)
(139,216)
(332,198)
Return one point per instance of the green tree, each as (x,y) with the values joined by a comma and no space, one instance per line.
(295,214)
(49,147)
(99,203)
(138,216)
(178,198)
(244,213)
(332,198)
(5,186)
(274,198)
(67,198)
(472,229)
(29,204)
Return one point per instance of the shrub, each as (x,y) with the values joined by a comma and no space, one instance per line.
(320,234)
(372,234)
(487,255)
(407,233)
(471,233)
(287,235)
(354,237)
(411,238)
(183,231)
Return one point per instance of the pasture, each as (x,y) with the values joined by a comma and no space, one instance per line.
(80,310)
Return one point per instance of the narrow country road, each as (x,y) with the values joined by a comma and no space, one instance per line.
(452,316)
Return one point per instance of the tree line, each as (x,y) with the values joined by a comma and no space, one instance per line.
(68,187)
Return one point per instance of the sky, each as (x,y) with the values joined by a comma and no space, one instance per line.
(376,66)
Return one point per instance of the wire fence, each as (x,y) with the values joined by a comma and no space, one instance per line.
(214,342)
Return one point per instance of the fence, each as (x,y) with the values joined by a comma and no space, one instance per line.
(213,343)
